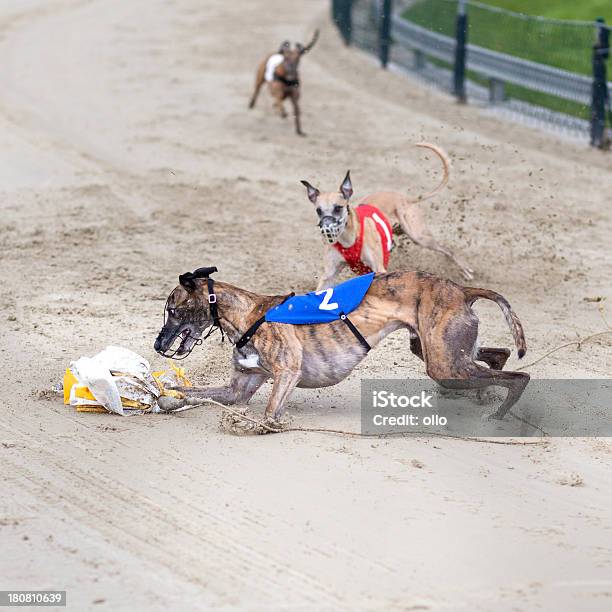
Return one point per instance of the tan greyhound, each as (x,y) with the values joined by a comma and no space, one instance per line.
(438,313)
(280,71)
(361,237)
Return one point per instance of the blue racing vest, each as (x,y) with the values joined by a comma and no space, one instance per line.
(318,307)
(322,306)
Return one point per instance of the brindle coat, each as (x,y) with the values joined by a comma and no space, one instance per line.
(402,212)
(436,311)
(286,83)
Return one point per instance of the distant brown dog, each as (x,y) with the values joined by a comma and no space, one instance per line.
(438,313)
(360,237)
(280,71)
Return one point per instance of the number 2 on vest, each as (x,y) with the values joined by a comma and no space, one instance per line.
(325,305)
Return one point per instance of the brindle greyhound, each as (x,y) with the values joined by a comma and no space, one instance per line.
(339,224)
(283,79)
(437,312)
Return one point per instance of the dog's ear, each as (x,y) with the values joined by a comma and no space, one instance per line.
(285,46)
(346,189)
(205,272)
(187,281)
(313,192)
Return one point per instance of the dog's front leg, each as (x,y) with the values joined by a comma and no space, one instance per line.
(295,100)
(278,97)
(333,262)
(284,383)
(241,388)
(278,103)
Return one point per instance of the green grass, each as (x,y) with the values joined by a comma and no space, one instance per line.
(585,10)
(563,45)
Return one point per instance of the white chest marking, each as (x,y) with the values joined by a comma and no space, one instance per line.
(252,361)
(273,63)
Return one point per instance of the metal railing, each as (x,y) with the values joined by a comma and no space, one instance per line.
(494,65)
(362,22)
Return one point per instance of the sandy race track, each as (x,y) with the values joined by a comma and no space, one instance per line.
(127,156)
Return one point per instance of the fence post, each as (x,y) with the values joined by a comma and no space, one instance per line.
(334,12)
(419,59)
(460,52)
(497,91)
(600,95)
(342,17)
(384,33)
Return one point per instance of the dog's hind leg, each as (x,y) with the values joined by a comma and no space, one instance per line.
(475,376)
(255,94)
(449,361)
(411,221)
(515,383)
(495,358)
(415,344)
(259,81)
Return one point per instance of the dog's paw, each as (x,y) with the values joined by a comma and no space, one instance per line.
(167,403)
(271,425)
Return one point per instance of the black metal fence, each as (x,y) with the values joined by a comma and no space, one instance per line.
(554,69)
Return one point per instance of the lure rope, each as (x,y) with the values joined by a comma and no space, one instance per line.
(578,342)
(355,434)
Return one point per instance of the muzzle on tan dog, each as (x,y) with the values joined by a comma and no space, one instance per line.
(332,226)
(333,216)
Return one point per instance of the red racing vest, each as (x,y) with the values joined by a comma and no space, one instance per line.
(352,254)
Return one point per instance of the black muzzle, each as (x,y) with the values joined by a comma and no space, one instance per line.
(178,344)
(331,228)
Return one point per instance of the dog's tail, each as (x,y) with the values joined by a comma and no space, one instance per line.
(445,167)
(514,323)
